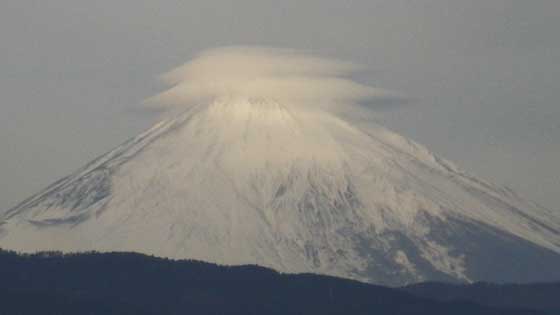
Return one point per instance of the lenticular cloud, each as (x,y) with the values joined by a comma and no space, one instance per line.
(287,76)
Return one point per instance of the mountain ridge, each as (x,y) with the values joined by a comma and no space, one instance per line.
(131,283)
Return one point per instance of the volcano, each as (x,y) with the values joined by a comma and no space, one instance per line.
(253,180)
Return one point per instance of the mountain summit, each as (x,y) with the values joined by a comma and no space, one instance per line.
(296,188)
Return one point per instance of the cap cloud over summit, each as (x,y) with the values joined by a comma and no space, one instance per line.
(284,75)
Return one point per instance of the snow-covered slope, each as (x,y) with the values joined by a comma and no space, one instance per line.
(299,190)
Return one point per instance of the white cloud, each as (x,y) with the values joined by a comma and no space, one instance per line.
(287,76)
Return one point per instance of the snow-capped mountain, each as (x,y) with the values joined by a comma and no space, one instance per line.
(253,181)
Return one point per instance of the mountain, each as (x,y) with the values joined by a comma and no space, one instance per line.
(297,189)
(537,296)
(127,283)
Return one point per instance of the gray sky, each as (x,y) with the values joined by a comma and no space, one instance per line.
(484,75)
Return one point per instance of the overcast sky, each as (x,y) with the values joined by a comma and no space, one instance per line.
(484,75)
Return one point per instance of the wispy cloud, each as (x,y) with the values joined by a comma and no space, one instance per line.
(292,77)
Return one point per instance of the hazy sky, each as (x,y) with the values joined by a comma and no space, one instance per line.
(484,75)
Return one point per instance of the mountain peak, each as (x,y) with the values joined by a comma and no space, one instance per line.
(265,171)
(255,181)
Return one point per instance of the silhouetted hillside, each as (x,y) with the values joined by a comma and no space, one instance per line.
(542,296)
(127,283)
